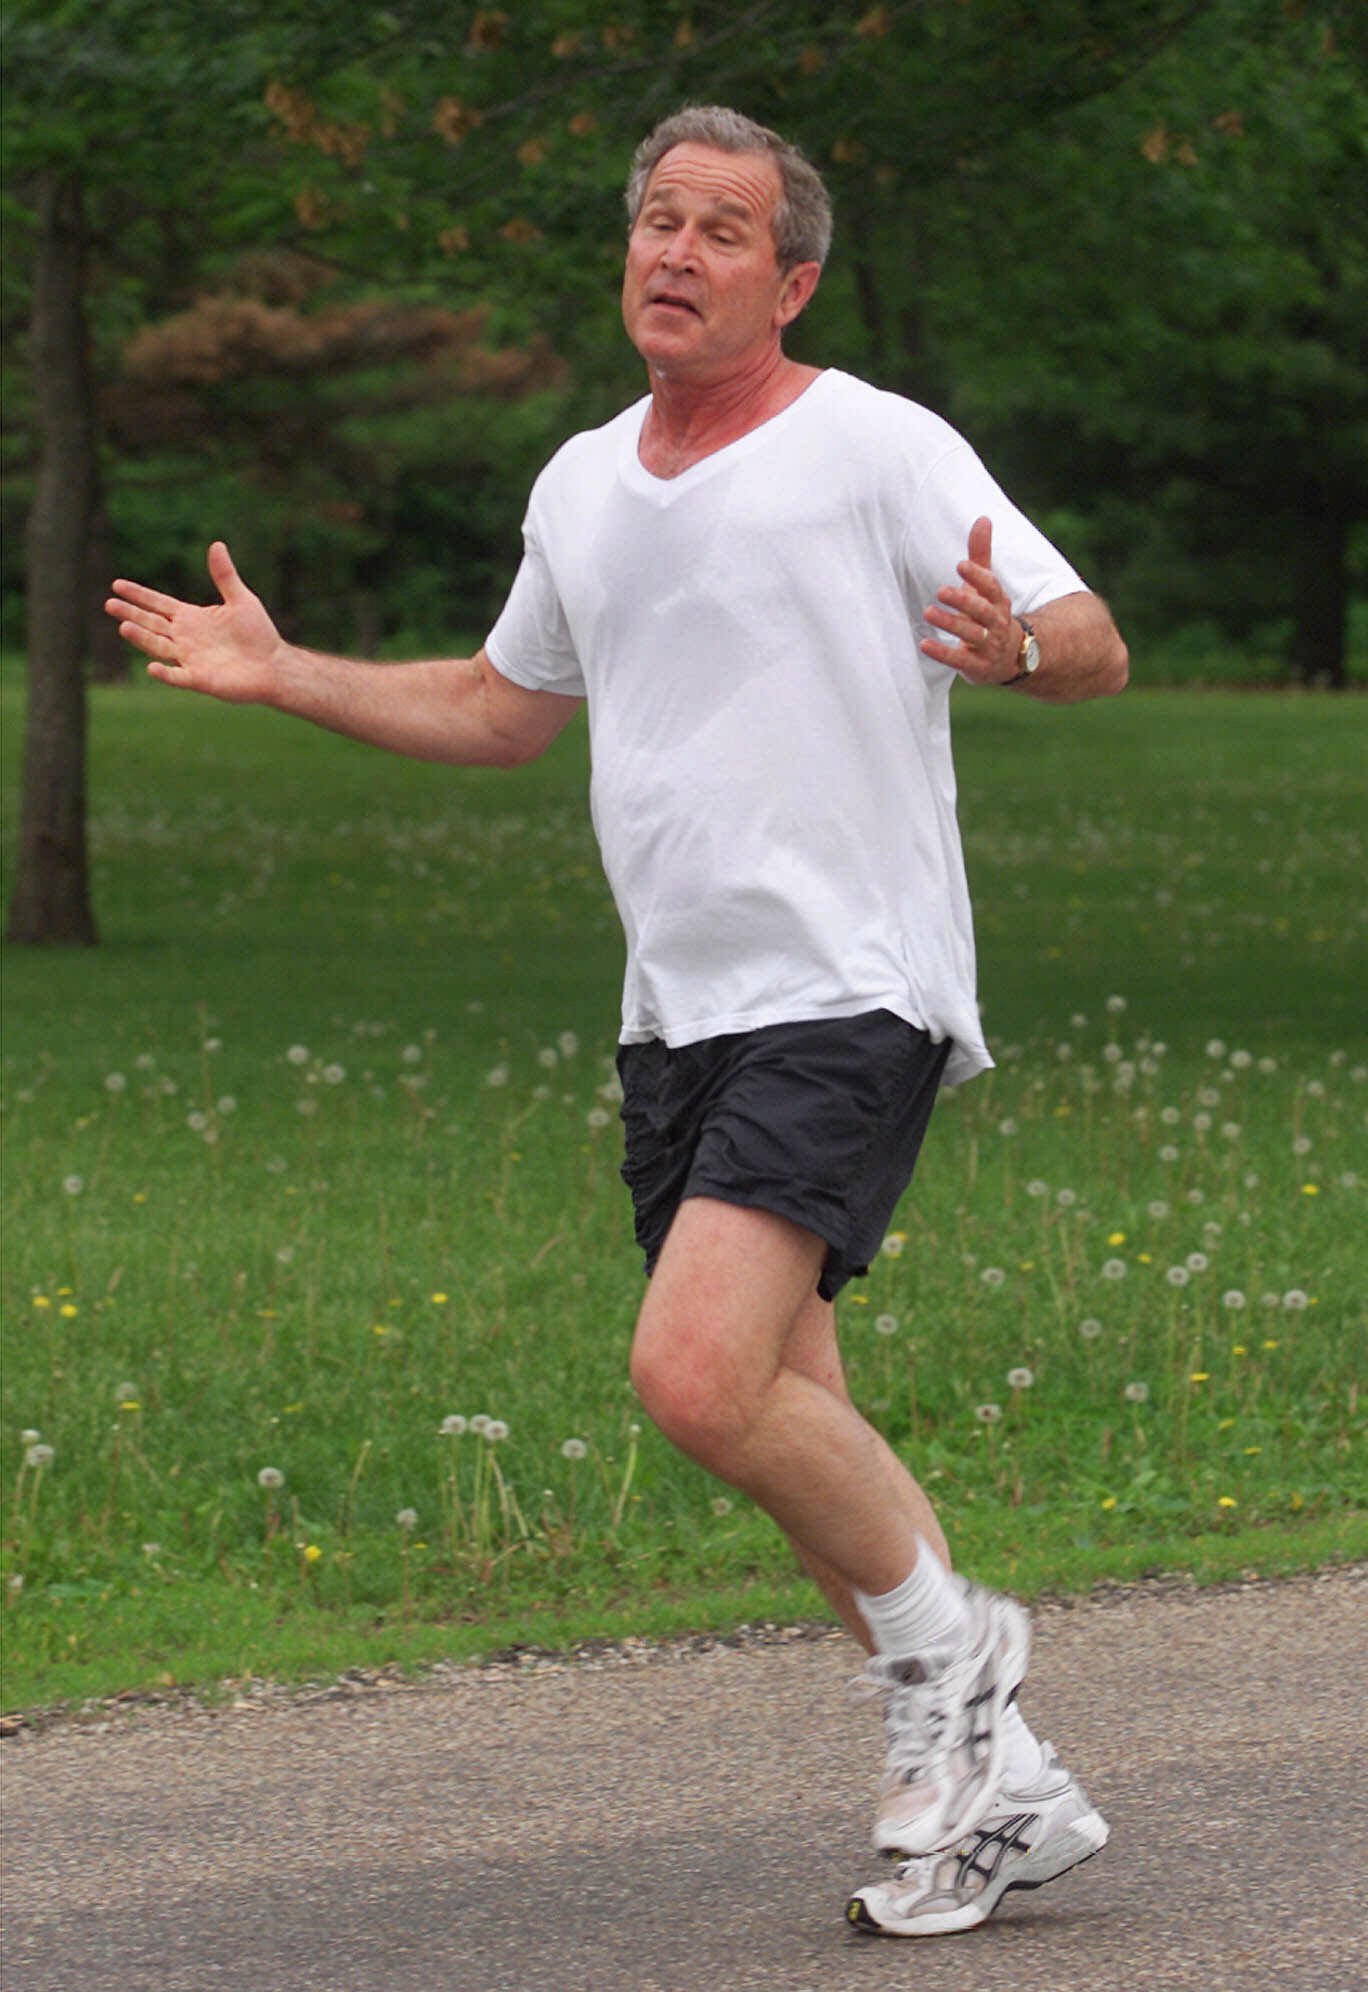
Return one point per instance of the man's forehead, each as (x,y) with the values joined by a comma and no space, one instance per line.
(747,180)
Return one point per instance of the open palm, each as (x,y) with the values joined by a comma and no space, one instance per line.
(229,649)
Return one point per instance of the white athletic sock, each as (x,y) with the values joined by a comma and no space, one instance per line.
(1025,1758)
(922,1616)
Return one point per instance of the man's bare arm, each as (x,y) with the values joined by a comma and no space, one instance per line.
(1082,655)
(461,711)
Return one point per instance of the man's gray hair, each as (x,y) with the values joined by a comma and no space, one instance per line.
(802,219)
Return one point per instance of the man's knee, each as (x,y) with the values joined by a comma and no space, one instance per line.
(697,1401)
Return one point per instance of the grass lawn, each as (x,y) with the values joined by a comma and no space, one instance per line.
(317,1155)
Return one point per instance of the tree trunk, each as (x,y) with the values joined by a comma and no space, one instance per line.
(51,897)
(1321,587)
(106,651)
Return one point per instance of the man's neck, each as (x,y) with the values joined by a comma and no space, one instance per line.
(689,420)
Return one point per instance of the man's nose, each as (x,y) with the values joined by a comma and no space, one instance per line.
(680,250)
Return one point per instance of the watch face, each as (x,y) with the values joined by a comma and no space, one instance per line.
(1030,652)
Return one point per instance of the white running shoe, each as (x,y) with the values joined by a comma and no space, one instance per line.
(945,1736)
(1027,1838)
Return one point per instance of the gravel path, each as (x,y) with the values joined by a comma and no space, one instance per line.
(691,1817)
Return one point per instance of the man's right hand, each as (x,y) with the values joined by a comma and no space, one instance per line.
(230,650)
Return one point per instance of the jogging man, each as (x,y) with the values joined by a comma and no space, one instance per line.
(764,580)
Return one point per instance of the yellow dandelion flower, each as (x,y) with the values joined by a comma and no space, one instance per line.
(68,1310)
(1200,1376)
(312,1552)
(439,1299)
(1116,1237)
(1310,1189)
(1109,1501)
(1251,1452)
(1239,1349)
(1270,1345)
(858,1299)
(41,1300)
(380,1328)
(1227,1501)
(129,1404)
(1297,1503)
(1145,1258)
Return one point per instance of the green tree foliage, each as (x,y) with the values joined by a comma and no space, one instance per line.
(1177,342)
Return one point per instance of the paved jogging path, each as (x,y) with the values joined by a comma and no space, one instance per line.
(691,1821)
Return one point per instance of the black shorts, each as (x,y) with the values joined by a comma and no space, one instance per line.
(819,1122)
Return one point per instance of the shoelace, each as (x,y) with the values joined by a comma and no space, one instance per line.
(920,1715)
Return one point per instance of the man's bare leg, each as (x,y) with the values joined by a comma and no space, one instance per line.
(735,1359)
(813,1351)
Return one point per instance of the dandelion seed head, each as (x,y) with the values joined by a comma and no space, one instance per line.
(1116,1004)
(495,1430)
(597,1118)
(721,1505)
(548,1057)
(1066,1198)
(1158,1208)
(30,1436)
(480,1423)
(894,1245)
(452,1426)
(73,1185)
(39,1456)
(407,1519)
(1177,1276)
(1113,1269)
(987,1414)
(497,1075)
(115,1082)
(1137,1393)
(1294,1300)
(1020,1378)
(574,1449)
(885,1324)
(1037,1188)
(298,1054)
(1233,1299)
(270,1477)
(1090,1329)
(992,1276)
(15,1582)
(1216,1048)
(1197,1262)
(1007,1127)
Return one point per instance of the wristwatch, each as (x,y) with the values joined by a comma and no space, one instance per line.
(1028,657)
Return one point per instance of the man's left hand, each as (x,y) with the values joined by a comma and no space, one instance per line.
(978,615)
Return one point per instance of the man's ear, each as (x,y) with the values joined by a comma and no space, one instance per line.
(799,284)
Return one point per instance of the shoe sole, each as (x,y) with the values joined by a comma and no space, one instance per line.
(1073,1845)
(905,1843)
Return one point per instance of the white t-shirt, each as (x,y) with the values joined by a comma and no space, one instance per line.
(772,788)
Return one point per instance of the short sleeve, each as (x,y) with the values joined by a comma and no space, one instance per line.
(957,490)
(530,644)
